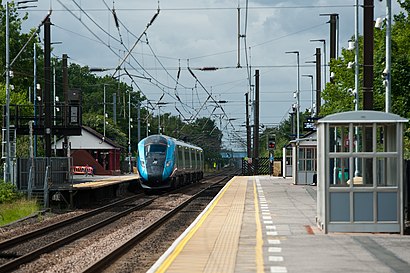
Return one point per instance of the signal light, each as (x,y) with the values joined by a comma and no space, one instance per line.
(271,145)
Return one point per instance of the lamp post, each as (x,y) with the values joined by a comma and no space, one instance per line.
(323,41)
(297,93)
(311,89)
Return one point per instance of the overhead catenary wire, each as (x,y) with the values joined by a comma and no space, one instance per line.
(175,86)
(158,83)
(137,41)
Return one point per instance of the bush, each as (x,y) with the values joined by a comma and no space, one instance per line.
(8,192)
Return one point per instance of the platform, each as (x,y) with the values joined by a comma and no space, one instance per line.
(267,224)
(85,182)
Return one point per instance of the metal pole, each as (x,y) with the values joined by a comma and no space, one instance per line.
(159,119)
(325,64)
(368,52)
(311,89)
(47,87)
(298,99)
(248,128)
(356,56)
(54,108)
(129,131)
(297,93)
(139,122)
(318,82)
(8,150)
(356,80)
(104,114)
(388,56)
(323,41)
(35,99)
(256,125)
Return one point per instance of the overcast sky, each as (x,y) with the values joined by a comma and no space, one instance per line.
(199,34)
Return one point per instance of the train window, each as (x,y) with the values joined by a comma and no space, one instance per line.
(155,148)
(194,158)
(181,157)
(187,158)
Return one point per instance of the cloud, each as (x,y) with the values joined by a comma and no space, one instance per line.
(204,33)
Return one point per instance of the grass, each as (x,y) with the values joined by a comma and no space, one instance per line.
(12,211)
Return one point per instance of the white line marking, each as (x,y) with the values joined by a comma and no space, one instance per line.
(275,259)
(274,249)
(278,269)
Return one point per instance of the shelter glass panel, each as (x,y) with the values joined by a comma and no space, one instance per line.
(339,138)
(387,172)
(357,170)
(364,138)
(380,133)
(339,172)
(367,173)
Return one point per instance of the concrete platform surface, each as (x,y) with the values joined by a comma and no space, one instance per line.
(267,224)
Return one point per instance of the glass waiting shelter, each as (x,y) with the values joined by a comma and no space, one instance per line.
(360,172)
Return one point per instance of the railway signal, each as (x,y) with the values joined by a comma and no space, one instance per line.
(271,143)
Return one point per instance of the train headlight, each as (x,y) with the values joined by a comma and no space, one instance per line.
(168,163)
(142,163)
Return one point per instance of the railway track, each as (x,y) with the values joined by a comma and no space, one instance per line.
(26,248)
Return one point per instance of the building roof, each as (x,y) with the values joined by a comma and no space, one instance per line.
(90,139)
(363,116)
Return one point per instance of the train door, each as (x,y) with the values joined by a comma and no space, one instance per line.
(181,165)
(186,158)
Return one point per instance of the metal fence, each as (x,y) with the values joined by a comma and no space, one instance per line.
(259,166)
(33,173)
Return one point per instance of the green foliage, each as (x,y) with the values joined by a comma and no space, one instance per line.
(16,210)
(336,95)
(8,192)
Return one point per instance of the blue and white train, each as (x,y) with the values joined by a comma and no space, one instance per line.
(165,162)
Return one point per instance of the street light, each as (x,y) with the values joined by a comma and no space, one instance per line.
(297,92)
(311,89)
(324,58)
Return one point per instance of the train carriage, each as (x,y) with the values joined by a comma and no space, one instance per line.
(165,162)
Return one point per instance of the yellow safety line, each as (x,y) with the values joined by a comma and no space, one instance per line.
(170,259)
(259,239)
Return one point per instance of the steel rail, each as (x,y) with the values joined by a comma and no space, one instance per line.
(68,239)
(42,231)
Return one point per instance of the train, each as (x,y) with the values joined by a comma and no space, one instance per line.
(164,162)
